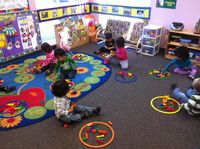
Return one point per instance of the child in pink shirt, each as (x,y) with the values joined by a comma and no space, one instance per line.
(49,63)
(120,54)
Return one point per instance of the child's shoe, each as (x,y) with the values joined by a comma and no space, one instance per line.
(95,52)
(106,61)
(8,89)
(192,77)
(97,110)
(173,87)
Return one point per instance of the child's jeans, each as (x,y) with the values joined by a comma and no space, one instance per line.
(68,74)
(75,116)
(180,96)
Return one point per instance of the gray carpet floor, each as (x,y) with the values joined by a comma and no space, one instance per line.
(136,124)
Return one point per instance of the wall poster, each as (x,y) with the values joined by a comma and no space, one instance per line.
(166,4)
(27,31)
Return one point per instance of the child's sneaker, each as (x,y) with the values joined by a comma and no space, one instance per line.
(7,89)
(106,61)
(191,77)
(97,110)
(172,88)
(95,52)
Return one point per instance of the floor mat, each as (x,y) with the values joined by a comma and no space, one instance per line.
(33,101)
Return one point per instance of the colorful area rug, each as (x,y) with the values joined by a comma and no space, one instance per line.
(33,101)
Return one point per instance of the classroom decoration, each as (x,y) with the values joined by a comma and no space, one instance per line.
(166,4)
(33,100)
(125,77)
(75,33)
(97,134)
(19,35)
(159,74)
(135,12)
(197,27)
(13,6)
(63,12)
(165,104)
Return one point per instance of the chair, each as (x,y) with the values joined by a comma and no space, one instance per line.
(116,27)
(134,39)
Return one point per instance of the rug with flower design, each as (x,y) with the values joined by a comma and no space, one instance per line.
(32,101)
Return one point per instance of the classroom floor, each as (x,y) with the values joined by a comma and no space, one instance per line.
(136,124)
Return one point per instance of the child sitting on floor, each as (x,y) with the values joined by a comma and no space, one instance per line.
(109,45)
(120,54)
(183,63)
(4,88)
(49,63)
(66,64)
(191,98)
(64,109)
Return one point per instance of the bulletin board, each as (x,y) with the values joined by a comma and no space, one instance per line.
(18,35)
(135,12)
(62,12)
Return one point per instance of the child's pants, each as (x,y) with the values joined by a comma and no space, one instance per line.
(123,63)
(68,74)
(76,115)
(191,71)
(180,96)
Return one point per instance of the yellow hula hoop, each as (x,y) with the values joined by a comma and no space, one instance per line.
(97,146)
(164,112)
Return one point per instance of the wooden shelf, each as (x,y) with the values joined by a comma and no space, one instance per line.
(194,48)
(185,33)
(178,44)
(172,57)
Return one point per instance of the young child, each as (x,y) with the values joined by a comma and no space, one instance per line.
(4,88)
(109,44)
(49,63)
(183,63)
(65,110)
(190,99)
(66,64)
(120,54)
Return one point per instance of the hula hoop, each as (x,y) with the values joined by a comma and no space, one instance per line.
(97,146)
(164,112)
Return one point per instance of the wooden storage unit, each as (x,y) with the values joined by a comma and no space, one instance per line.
(179,38)
(77,32)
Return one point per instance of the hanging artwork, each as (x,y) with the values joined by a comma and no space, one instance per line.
(166,4)
(10,38)
(27,31)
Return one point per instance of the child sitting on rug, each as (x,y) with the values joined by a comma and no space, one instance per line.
(4,88)
(49,63)
(64,109)
(183,63)
(191,98)
(66,64)
(120,54)
(109,45)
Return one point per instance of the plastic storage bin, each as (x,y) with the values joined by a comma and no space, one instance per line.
(151,39)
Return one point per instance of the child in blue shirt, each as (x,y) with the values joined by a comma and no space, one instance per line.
(183,63)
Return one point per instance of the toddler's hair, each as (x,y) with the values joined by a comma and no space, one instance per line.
(120,42)
(108,36)
(46,47)
(60,88)
(59,52)
(196,84)
(182,53)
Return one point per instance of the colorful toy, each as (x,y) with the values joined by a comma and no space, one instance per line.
(168,105)
(159,74)
(101,134)
(125,77)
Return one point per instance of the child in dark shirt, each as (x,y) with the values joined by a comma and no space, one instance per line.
(109,45)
